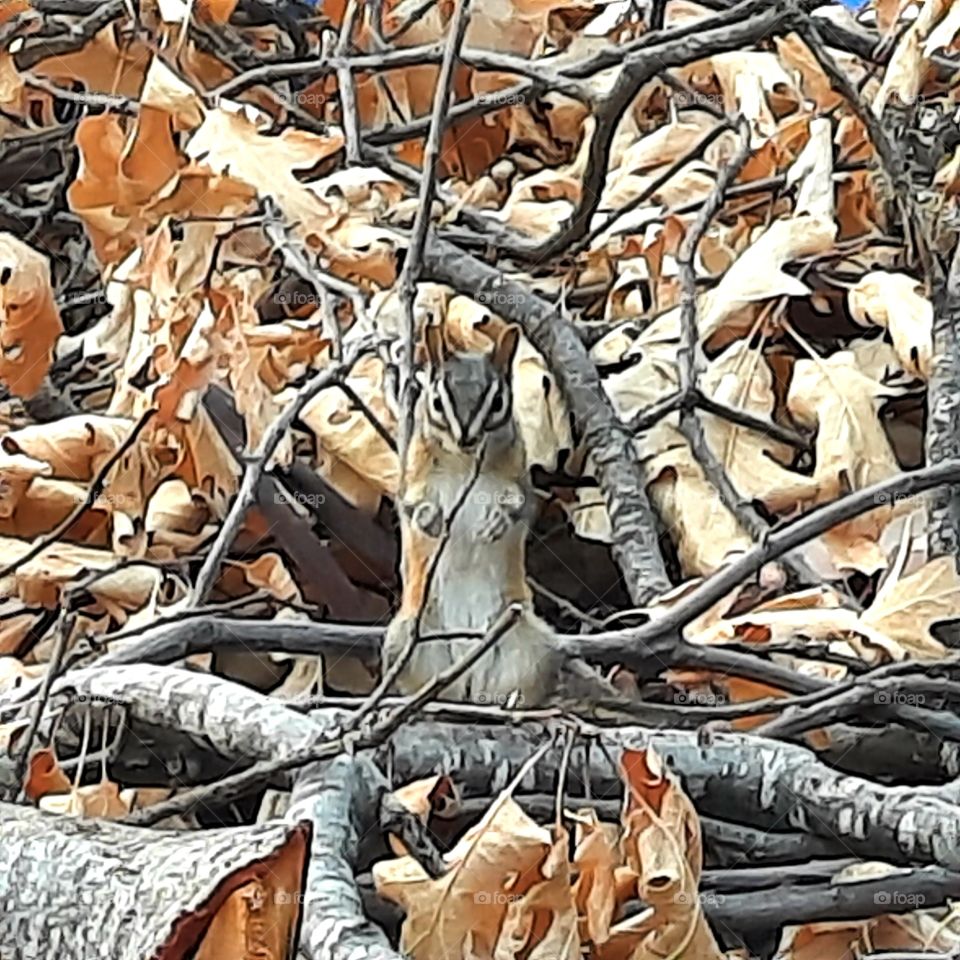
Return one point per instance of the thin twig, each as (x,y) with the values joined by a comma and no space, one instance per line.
(64,626)
(350,115)
(891,161)
(648,191)
(413,262)
(791,535)
(371,417)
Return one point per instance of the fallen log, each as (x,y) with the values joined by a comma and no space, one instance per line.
(74,889)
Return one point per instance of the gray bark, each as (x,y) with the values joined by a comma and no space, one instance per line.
(733,776)
(75,889)
(943,413)
(342,799)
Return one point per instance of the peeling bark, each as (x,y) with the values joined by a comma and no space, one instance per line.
(75,889)
(342,798)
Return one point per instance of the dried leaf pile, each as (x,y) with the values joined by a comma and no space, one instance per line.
(728,233)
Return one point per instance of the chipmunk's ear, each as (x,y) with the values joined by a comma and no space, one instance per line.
(434,343)
(505,348)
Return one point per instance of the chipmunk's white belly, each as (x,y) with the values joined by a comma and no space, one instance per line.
(470,596)
(470,584)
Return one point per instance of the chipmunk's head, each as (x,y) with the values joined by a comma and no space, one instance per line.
(468,396)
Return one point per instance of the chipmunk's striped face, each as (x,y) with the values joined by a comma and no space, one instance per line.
(467,397)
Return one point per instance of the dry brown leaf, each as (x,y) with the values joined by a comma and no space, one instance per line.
(44,775)
(103,800)
(662,848)
(29,318)
(595,860)
(541,924)
(493,865)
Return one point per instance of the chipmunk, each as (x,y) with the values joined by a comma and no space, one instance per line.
(466,449)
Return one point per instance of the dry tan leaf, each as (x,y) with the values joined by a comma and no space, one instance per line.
(741,379)
(943,35)
(40,580)
(758,272)
(13,673)
(347,434)
(756,86)
(905,69)
(29,319)
(905,609)
(896,302)
(662,848)
(231,143)
(796,55)
(103,800)
(595,860)
(74,448)
(494,864)
(701,525)
(852,450)
(541,924)
(813,170)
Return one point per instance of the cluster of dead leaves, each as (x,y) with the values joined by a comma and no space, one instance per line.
(512,888)
(613,891)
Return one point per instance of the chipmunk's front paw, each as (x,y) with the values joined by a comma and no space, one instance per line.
(496,522)
(427,517)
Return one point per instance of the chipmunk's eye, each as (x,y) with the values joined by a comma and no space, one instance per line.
(437,405)
(496,405)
